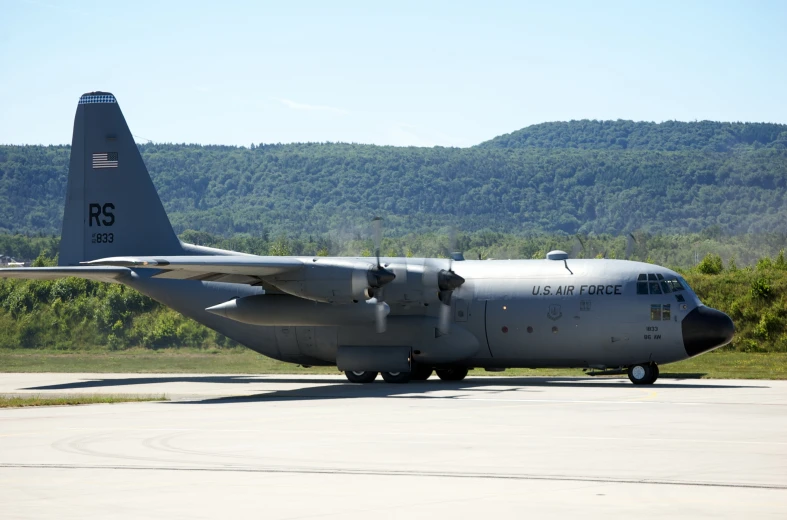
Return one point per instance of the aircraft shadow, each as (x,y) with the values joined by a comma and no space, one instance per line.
(331,388)
(472,388)
(152,379)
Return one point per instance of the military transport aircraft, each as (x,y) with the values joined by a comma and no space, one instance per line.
(402,317)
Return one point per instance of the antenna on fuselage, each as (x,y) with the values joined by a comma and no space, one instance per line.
(559,255)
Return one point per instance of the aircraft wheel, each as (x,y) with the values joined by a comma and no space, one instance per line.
(360,376)
(397,378)
(643,374)
(452,374)
(420,372)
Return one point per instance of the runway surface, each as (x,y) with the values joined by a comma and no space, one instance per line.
(287,447)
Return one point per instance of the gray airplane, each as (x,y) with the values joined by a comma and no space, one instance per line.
(402,317)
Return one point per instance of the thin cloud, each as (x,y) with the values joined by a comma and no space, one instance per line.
(313,108)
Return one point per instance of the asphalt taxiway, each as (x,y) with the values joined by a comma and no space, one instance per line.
(286,447)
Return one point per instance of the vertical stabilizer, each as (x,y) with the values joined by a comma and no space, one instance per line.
(112,208)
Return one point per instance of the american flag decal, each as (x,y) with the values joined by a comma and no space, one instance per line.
(105,160)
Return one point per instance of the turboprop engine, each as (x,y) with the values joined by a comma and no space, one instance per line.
(282,310)
(332,281)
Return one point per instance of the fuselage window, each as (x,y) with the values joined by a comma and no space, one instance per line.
(655,312)
(665,312)
(642,284)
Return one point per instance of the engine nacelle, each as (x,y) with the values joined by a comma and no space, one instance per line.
(328,281)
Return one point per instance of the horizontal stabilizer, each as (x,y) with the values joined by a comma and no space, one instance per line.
(99,274)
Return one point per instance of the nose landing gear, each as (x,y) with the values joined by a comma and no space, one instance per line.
(643,373)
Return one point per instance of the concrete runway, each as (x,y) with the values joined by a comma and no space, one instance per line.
(287,447)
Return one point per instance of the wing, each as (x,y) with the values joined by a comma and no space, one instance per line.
(228,269)
(333,280)
(99,274)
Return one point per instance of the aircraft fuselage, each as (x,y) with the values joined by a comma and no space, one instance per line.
(508,313)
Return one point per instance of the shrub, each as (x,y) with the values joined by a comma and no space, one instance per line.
(780,263)
(764,264)
(761,288)
(711,264)
(768,326)
(750,345)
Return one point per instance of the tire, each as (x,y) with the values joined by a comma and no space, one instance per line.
(360,377)
(643,374)
(452,374)
(396,378)
(420,372)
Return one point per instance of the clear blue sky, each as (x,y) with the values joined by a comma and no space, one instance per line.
(403,73)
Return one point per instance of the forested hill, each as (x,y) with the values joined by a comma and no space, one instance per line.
(668,136)
(315,188)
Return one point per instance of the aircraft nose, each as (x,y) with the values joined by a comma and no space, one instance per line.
(705,329)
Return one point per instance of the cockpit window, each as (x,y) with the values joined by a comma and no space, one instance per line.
(665,287)
(684,285)
(642,284)
(653,284)
(659,284)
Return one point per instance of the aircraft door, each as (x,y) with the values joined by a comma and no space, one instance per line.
(507,328)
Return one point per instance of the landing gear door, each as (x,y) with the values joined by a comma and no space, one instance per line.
(460,310)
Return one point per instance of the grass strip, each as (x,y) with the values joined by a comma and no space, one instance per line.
(17,401)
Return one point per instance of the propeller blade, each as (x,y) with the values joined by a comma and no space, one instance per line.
(444,324)
(381,313)
(377,222)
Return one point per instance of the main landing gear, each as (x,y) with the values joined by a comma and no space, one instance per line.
(644,373)
(360,376)
(365,376)
(418,373)
(452,374)
(396,378)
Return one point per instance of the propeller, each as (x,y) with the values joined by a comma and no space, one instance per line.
(378,278)
(447,282)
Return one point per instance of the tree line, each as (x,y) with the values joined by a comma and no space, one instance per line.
(565,178)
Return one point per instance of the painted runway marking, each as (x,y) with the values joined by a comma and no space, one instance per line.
(428,434)
(400,473)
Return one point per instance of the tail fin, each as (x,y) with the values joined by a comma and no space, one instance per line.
(112,208)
